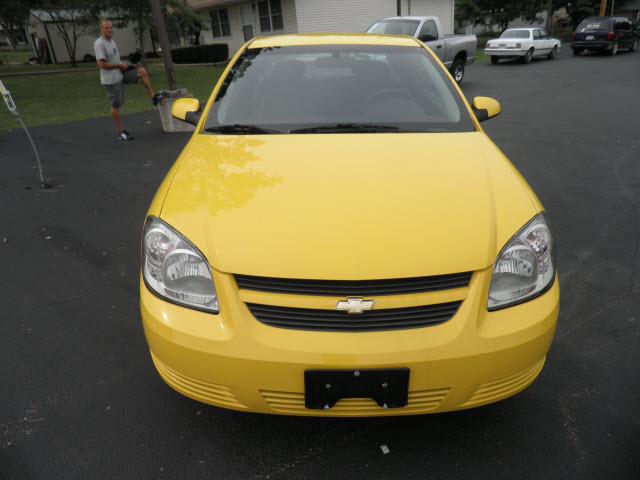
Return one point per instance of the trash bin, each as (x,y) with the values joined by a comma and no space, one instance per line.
(169,123)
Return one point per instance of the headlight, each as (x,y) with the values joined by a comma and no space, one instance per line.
(525,268)
(488,45)
(174,269)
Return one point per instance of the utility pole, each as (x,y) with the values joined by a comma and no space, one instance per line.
(161,28)
(603,8)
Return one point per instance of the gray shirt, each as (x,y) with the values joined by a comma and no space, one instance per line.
(107,50)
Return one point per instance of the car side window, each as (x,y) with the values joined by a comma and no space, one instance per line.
(428,32)
(622,25)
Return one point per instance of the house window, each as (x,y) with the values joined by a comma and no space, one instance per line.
(270,14)
(220,23)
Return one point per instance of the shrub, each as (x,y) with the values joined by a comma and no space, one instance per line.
(202,54)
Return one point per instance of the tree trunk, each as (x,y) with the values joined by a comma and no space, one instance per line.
(75,48)
(549,22)
(72,48)
(153,41)
(141,32)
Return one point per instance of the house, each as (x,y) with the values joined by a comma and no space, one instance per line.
(48,43)
(235,21)
(629,8)
(19,37)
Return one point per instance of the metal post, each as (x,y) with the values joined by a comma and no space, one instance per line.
(6,95)
(161,29)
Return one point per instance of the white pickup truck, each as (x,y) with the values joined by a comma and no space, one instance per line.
(455,51)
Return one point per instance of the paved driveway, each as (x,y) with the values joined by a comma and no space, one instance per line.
(79,397)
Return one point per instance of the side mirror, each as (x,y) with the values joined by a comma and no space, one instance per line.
(427,38)
(187,110)
(486,108)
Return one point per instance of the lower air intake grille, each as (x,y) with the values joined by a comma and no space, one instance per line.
(335,321)
(364,288)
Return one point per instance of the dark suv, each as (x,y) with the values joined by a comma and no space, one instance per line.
(606,34)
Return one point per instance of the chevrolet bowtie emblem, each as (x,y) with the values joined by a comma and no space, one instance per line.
(355,305)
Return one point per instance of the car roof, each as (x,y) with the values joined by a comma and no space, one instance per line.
(408,17)
(333,39)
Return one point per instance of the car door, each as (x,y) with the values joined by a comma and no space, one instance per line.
(547,41)
(429,35)
(623,29)
(538,42)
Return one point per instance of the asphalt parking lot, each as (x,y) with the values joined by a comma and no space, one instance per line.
(79,397)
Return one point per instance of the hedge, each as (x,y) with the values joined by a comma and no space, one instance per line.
(202,54)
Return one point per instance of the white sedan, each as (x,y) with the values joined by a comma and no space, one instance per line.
(524,43)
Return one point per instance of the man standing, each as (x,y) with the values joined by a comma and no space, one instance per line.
(114,75)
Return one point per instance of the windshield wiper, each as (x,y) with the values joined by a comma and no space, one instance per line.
(347,128)
(240,128)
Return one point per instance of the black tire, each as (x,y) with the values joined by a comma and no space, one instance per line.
(577,51)
(553,53)
(614,49)
(457,70)
(528,56)
(495,59)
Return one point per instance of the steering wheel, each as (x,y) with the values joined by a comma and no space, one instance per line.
(389,92)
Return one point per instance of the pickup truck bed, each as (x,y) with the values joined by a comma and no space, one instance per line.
(455,51)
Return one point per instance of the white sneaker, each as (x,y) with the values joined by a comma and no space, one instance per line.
(124,135)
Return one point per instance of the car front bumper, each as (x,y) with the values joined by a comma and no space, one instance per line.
(505,52)
(231,360)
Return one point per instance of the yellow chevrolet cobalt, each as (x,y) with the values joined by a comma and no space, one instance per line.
(339,237)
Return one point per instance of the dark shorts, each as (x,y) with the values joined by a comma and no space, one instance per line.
(115,91)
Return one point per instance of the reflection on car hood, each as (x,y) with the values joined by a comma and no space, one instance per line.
(349,206)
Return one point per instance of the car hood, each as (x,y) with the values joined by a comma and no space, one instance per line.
(347,206)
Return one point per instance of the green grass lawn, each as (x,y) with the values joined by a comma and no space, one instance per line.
(67,97)
(15,56)
(481,56)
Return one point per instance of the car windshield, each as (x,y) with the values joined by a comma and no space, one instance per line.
(337,88)
(395,27)
(593,25)
(515,34)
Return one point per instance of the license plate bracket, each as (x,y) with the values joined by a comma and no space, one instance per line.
(388,387)
(590,37)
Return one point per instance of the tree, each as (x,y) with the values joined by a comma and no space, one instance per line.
(578,10)
(14,15)
(503,12)
(184,23)
(137,12)
(467,12)
(72,19)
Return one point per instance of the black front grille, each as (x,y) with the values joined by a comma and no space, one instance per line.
(337,321)
(343,288)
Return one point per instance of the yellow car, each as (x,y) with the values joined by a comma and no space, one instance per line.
(340,238)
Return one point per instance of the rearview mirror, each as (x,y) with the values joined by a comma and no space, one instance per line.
(486,108)
(187,110)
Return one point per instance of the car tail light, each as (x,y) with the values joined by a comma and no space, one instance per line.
(611,36)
